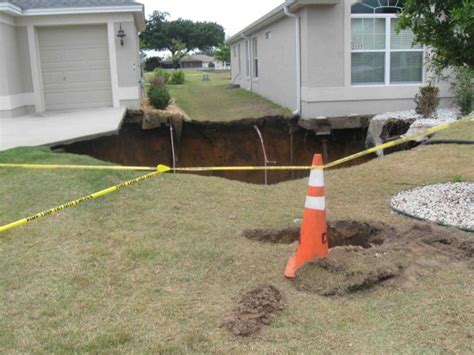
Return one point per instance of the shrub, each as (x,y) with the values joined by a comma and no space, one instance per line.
(427,100)
(152,63)
(463,89)
(158,81)
(177,77)
(163,73)
(159,96)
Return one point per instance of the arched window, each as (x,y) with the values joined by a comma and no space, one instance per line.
(380,55)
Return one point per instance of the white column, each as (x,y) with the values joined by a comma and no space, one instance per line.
(113,63)
(36,74)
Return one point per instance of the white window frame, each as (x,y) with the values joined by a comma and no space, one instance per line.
(256,68)
(239,59)
(387,51)
(247,58)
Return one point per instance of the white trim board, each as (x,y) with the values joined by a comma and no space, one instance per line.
(13,102)
(129,93)
(82,10)
(369,92)
(10,8)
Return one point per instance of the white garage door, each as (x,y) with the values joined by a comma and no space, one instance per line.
(75,66)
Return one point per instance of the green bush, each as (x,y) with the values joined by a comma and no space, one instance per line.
(162,73)
(427,100)
(177,77)
(463,89)
(152,63)
(159,96)
(158,81)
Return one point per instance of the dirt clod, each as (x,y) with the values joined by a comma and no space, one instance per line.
(255,309)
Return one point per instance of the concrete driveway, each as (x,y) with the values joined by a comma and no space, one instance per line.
(54,127)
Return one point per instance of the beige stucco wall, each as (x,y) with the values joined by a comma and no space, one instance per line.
(128,62)
(15,71)
(277,62)
(15,61)
(326,68)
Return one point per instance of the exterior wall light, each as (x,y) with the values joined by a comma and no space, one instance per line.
(121,34)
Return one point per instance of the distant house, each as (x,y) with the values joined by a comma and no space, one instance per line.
(62,55)
(202,61)
(331,58)
(198,62)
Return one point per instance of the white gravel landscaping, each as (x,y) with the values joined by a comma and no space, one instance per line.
(449,204)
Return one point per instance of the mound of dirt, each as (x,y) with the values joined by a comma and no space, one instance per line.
(255,309)
(404,254)
(349,269)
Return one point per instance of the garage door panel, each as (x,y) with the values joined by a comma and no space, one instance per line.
(75,66)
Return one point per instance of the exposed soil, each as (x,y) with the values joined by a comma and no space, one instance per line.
(349,269)
(340,233)
(255,310)
(363,255)
(403,254)
(225,144)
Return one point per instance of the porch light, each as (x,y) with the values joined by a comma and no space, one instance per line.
(121,34)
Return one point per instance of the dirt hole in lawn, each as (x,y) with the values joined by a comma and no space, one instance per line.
(363,255)
(255,310)
(340,233)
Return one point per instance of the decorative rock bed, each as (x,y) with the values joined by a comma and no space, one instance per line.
(449,204)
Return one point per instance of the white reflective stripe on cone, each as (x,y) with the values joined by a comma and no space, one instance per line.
(315,203)
(316,178)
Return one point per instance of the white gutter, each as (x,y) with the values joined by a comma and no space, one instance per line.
(298,59)
(249,61)
(10,8)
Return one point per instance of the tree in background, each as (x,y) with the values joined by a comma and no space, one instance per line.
(180,36)
(152,63)
(447,26)
(222,53)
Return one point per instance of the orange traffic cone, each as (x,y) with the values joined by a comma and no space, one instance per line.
(313,238)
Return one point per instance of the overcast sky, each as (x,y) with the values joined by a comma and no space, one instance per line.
(233,15)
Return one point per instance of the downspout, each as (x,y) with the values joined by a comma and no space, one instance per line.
(249,60)
(297,112)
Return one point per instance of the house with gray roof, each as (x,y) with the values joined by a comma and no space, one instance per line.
(69,55)
(332,58)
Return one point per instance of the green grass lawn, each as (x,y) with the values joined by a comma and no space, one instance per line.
(211,101)
(158,266)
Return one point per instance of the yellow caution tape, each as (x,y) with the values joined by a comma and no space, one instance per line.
(78,167)
(77,202)
(164,168)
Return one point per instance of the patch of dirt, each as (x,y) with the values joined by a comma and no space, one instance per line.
(278,236)
(400,255)
(255,310)
(349,269)
(340,233)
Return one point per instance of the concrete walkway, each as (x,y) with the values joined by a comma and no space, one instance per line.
(51,128)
